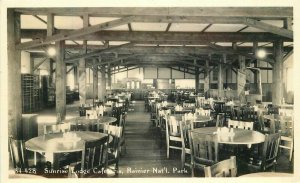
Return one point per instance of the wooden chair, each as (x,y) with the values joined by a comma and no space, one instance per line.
(185,126)
(19,158)
(264,158)
(173,135)
(233,123)
(122,123)
(220,120)
(204,150)
(225,168)
(114,146)
(57,128)
(245,125)
(93,158)
(287,137)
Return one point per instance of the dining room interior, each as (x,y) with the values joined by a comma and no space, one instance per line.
(140,92)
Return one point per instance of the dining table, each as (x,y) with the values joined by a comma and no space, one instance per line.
(238,137)
(199,119)
(91,121)
(51,145)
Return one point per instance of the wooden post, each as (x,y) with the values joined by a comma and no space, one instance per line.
(277,85)
(197,84)
(220,80)
(95,83)
(31,64)
(103,84)
(60,81)
(206,77)
(109,77)
(51,71)
(81,67)
(241,79)
(82,81)
(14,75)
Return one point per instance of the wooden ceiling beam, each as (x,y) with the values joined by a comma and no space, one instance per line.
(96,53)
(269,28)
(75,33)
(232,51)
(263,12)
(148,37)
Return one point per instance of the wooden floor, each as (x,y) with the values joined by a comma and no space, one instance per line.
(145,150)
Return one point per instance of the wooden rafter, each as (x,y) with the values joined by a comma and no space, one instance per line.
(152,37)
(232,51)
(288,55)
(269,28)
(119,59)
(262,12)
(95,53)
(39,64)
(75,33)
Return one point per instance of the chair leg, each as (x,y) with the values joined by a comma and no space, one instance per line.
(182,158)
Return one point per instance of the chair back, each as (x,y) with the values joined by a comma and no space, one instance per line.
(204,149)
(173,127)
(245,125)
(220,120)
(94,155)
(270,150)
(115,134)
(57,128)
(233,123)
(225,168)
(18,153)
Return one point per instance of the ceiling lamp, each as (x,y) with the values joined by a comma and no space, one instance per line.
(261,53)
(51,51)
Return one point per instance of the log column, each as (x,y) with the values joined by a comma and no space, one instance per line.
(277,85)
(81,67)
(241,79)
(206,78)
(220,80)
(82,81)
(95,82)
(109,77)
(60,81)
(197,84)
(14,75)
(102,92)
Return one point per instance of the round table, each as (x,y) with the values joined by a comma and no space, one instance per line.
(241,136)
(198,119)
(55,143)
(268,174)
(84,120)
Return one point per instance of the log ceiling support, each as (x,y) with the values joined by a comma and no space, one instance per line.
(96,53)
(241,79)
(75,33)
(278,85)
(60,82)
(269,28)
(95,83)
(152,37)
(102,91)
(39,64)
(109,76)
(14,93)
(206,76)
(261,12)
(197,81)
(82,69)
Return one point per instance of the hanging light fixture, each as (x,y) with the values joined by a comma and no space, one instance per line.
(261,53)
(51,51)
